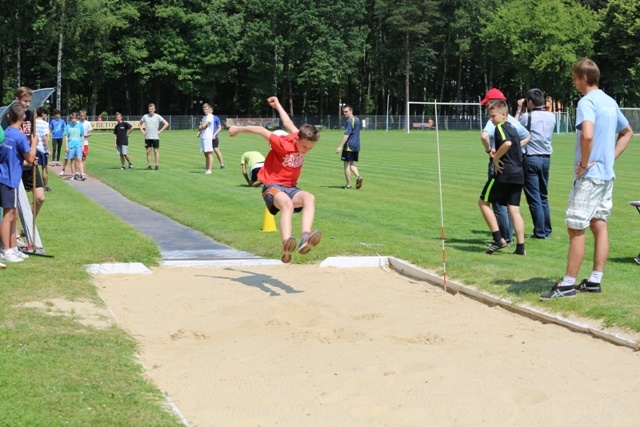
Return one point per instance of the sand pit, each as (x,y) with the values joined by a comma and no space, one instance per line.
(309,346)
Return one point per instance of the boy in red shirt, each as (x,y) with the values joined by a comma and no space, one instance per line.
(280,174)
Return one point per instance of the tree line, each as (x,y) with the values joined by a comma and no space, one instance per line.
(112,55)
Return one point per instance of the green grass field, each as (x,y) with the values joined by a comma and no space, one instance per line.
(397,212)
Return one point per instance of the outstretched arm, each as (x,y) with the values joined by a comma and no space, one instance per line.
(286,120)
(256,130)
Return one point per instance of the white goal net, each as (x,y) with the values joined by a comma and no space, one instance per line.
(425,115)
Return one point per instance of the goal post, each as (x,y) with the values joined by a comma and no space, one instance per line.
(426,115)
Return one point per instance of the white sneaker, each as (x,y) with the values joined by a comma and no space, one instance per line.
(20,254)
(61,173)
(10,257)
(207,172)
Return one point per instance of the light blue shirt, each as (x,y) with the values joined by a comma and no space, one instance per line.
(542,125)
(490,129)
(600,109)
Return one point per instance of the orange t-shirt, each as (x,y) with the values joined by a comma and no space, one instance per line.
(283,162)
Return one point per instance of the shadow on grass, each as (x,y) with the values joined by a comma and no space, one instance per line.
(620,260)
(259,281)
(467,245)
(534,285)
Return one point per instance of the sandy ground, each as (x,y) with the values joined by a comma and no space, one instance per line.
(309,346)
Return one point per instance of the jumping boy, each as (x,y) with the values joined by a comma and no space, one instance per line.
(280,174)
(13,152)
(505,184)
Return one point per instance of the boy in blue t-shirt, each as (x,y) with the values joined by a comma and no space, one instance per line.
(57,127)
(13,151)
(73,134)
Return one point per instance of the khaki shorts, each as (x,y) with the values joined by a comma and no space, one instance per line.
(588,200)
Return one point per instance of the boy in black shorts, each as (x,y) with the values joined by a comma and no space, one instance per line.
(505,184)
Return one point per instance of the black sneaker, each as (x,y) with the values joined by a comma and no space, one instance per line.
(149,167)
(130,165)
(222,167)
(496,246)
(559,292)
(637,259)
(587,286)
(156,167)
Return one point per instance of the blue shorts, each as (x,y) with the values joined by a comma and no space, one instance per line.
(8,197)
(42,158)
(74,153)
(270,191)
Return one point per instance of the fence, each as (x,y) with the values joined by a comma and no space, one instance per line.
(369,122)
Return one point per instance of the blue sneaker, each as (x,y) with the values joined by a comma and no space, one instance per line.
(308,241)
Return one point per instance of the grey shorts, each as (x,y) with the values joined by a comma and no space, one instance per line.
(270,191)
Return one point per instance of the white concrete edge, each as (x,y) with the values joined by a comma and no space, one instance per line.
(356,261)
(219,263)
(410,270)
(118,268)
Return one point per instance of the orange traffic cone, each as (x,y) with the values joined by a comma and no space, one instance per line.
(269,223)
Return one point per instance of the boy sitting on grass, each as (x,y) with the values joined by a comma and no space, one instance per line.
(505,184)
(280,174)
(13,151)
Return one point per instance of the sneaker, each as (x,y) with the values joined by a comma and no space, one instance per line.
(72,178)
(122,168)
(130,165)
(47,189)
(61,172)
(308,241)
(558,291)
(207,172)
(10,257)
(637,259)
(76,176)
(496,246)
(2,266)
(347,187)
(222,167)
(587,286)
(20,254)
(84,177)
(156,167)
(359,182)
(288,246)
(20,243)
(149,167)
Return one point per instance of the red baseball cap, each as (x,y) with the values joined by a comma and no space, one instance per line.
(493,94)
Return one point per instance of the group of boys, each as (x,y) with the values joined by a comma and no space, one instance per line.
(598,121)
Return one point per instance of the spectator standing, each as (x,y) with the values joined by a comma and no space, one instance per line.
(205,130)
(151,132)
(14,151)
(122,131)
(540,123)
(487,139)
(505,184)
(598,120)
(42,132)
(350,147)
(88,130)
(217,127)
(57,126)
